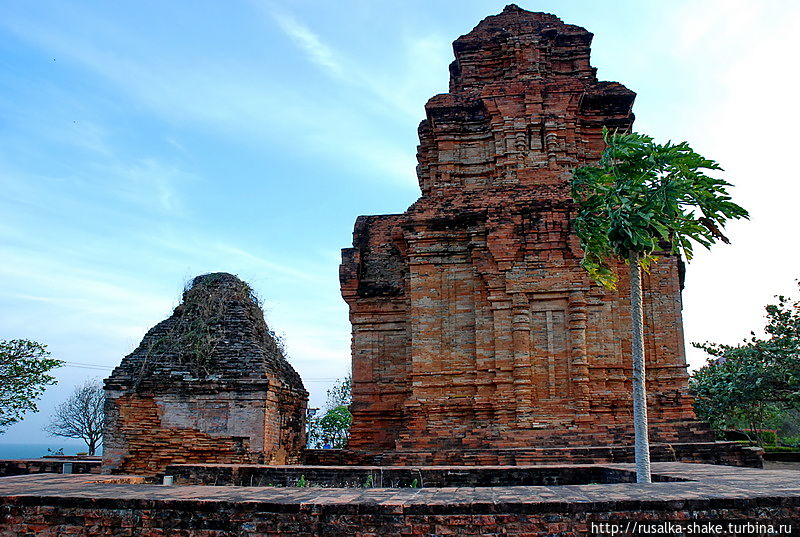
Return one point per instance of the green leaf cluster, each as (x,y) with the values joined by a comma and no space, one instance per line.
(644,197)
(752,383)
(24,367)
(334,423)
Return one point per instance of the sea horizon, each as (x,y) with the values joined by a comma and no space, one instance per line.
(35,450)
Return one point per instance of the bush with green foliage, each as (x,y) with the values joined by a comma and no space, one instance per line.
(755,384)
(334,423)
(791,441)
(766,436)
(779,449)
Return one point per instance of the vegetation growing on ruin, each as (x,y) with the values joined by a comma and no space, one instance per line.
(195,330)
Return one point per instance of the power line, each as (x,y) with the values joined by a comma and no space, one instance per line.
(87,366)
(320,380)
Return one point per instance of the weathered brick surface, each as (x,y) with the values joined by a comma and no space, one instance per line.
(474,327)
(728,453)
(209,384)
(399,476)
(51,505)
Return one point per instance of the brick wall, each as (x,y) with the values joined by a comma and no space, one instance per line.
(146,433)
(208,519)
(399,476)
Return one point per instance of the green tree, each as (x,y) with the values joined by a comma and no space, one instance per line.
(752,383)
(334,423)
(24,367)
(335,426)
(641,199)
(81,416)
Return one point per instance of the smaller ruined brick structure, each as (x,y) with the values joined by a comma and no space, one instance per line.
(210,384)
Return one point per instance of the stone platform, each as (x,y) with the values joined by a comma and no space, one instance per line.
(752,499)
(49,465)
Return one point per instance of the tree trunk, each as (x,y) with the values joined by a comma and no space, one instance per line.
(642,445)
(92,447)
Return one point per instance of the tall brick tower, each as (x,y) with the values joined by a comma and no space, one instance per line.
(475,330)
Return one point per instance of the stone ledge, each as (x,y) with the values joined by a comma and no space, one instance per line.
(729,453)
(354,477)
(11,467)
(724,486)
(48,504)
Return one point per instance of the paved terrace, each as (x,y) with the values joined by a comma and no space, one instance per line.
(49,504)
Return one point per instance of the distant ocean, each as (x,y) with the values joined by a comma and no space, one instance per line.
(34,451)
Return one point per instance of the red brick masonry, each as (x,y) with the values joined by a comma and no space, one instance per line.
(50,505)
(474,326)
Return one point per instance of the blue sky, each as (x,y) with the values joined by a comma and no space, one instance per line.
(143,143)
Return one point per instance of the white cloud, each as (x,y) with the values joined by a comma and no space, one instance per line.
(319,53)
(246,102)
(402,89)
(715,24)
(240,257)
(93,187)
(146,180)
